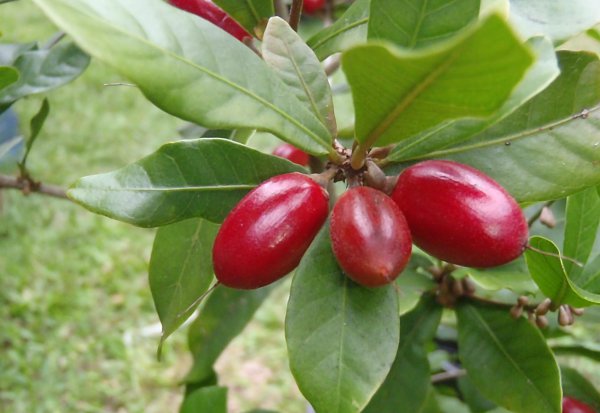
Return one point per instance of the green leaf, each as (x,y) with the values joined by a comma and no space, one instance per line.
(8,75)
(413,282)
(513,276)
(515,151)
(189,67)
(36,125)
(537,78)
(252,14)
(508,360)
(195,178)
(575,385)
(556,19)
(180,269)
(549,274)
(418,23)
(211,399)
(350,29)
(472,397)
(223,316)
(582,218)
(590,350)
(300,69)
(399,93)
(407,385)
(341,337)
(45,69)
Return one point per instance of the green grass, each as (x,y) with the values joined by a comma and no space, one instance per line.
(73,284)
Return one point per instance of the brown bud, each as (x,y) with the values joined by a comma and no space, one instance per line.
(547,217)
(457,288)
(565,318)
(523,300)
(516,311)
(469,286)
(543,307)
(577,311)
(541,321)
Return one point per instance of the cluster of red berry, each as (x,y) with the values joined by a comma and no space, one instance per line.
(450,210)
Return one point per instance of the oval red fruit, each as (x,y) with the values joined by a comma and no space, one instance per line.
(214,14)
(369,236)
(313,6)
(291,153)
(460,215)
(264,237)
(570,405)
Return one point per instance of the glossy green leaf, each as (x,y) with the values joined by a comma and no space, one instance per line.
(537,78)
(350,29)
(508,360)
(556,19)
(473,398)
(341,337)
(407,384)
(45,69)
(261,411)
(413,282)
(188,67)
(513,276)
(515,151)
(399,93)
(549,274)
(431,404)
(8,75)
(450,404)
(222,317)
(252,14)
(193,178)
(418,23)
(211,399)
(575,385)
(285,51)
(180,269)
(582,218)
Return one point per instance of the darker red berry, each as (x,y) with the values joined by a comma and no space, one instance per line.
(291,153)
(214,14)
(570,405)
(460,215)
(369,236)
(264,237)
(313,6)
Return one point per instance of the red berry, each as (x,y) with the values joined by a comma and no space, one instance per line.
(313,6)
(570,405)
(460,215)
(214,14)
(291,153)
(264,237)
(369,236)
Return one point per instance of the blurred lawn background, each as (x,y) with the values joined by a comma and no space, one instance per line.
(74,296)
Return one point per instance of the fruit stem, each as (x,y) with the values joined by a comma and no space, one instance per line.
(551,254)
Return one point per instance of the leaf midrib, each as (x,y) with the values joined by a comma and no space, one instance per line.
(503,351)
(502,140)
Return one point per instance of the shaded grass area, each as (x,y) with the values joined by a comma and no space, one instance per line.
(74,296)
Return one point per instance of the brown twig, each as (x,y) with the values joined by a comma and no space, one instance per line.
(295,13)
(448,375)
(28,186)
